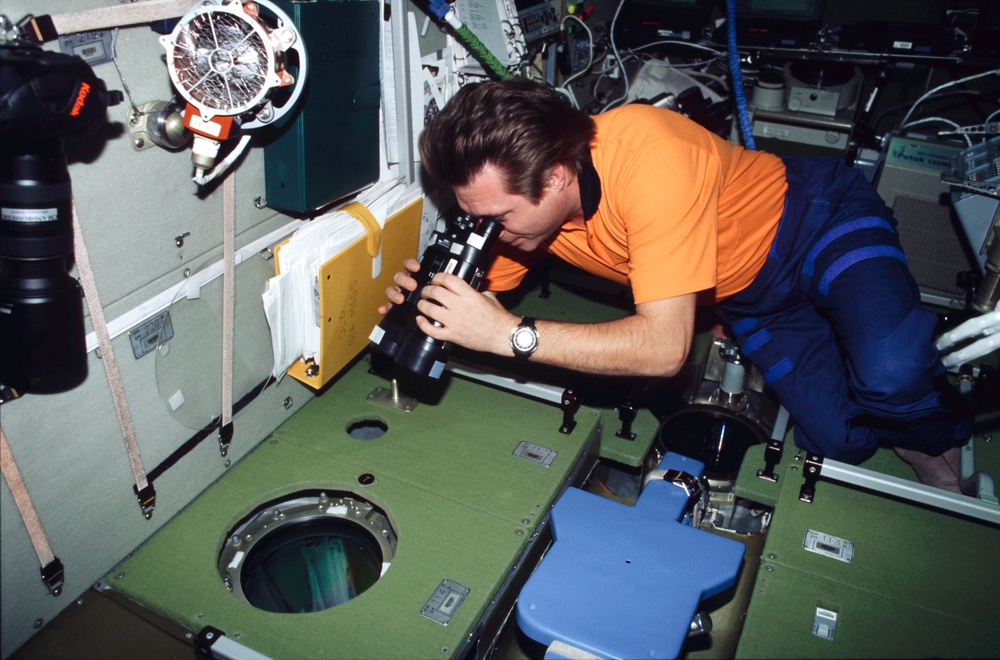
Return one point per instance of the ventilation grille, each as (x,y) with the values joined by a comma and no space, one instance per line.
(933,248)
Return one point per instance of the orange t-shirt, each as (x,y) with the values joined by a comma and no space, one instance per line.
(682,210)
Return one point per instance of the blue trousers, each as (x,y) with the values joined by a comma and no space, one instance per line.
(835,324)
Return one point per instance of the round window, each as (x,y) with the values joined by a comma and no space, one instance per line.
(307,553)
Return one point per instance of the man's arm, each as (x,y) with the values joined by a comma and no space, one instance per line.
(652,342)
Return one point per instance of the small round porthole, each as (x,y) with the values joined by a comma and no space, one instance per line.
(307,553)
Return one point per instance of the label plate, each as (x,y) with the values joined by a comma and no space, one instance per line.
(150,334)
(829,546)
(445,601)
(535,453)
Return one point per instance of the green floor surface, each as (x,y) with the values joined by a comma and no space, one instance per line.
(463,506)
(922,583)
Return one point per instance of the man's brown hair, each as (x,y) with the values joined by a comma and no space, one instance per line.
(521,127)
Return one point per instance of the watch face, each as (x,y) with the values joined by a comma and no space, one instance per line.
(524,339)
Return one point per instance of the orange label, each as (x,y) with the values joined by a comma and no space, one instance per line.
(81,98)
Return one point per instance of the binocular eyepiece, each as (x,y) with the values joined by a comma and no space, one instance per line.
(462,249)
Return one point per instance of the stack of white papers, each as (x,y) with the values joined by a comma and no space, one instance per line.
(291,299)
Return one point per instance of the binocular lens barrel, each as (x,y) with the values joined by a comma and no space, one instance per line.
(463,249)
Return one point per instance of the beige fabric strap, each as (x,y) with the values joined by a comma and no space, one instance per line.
(24,505)
(228,307)
(110,364)
(120,15)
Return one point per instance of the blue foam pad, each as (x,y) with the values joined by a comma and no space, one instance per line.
(624,581)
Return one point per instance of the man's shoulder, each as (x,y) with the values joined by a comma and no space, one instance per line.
(642,123)
(633,112)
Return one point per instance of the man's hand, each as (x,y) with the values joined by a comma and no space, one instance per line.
(404,281)
(467,317)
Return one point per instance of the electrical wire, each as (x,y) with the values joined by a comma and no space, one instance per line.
(201,178)
(617,56)
(937,89)
(590,54)
(936,120)
(976,94)
(121,76)
(678,42)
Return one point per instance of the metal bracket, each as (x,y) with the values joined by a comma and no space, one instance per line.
(772,456)
(813,468)
(690,484)
(988,188)
(52,576)
(205,638)
(210,642)
(570,404)
(903,489)
(989,128)
(626,415)
(392,398)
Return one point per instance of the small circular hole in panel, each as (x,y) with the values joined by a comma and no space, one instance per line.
(367,429)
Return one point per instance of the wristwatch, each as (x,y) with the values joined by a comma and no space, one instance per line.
(524,339)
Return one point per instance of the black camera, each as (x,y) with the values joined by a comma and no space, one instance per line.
(44,96)
(462,249)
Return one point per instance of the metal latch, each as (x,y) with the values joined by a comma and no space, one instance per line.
(814,465)
(772,456)
(570,404)
(626,415)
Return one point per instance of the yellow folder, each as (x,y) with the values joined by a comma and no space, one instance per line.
(349,296)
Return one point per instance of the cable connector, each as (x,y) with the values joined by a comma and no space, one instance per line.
(611,67)
(440,8)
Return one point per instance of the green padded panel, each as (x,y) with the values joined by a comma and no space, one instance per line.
(870,624)
(581,298)
(574,303)
(922,584)
(751,487)
(459,446)
(463,508)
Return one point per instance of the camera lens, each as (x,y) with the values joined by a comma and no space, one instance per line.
(41,308)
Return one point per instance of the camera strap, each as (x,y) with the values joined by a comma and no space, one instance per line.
(49,27)
(143,489)
(52,569)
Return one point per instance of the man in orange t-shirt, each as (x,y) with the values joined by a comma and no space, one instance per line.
(800,255)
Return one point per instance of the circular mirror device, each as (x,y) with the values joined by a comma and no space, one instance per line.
(307,553)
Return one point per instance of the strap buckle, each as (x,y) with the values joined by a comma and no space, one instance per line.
(52,576)
(147,499)
(225,438)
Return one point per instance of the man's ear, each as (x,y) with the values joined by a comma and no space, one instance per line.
(559,177)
